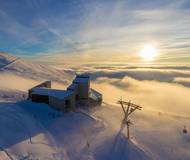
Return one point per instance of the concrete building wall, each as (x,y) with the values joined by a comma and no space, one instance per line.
(39,98)
(57,103)
(75,94)
(74,88)
(62,104)
(46,84)
(83,90)
(73,101)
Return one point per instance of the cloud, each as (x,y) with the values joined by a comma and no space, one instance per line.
(111,31)
(160,73)
(116,32)
(152,95)
(183,80)
(13,27)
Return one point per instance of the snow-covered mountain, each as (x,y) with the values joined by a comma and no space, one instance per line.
(36,131)
(17,75)
(24,68)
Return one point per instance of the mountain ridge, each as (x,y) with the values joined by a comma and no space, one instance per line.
(26,68)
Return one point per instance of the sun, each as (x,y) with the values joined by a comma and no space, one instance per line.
(148,52)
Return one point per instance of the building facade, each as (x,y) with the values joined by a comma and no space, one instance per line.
(79,92)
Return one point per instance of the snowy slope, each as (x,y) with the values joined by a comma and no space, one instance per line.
(39,132)
(24,68)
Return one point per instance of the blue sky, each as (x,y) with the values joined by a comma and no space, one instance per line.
(53,31)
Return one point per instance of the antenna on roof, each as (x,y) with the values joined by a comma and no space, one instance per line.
(128,108)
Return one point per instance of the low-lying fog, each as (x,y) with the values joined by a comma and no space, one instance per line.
(161,87)
(162,91)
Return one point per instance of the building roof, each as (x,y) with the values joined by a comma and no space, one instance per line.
(95,94)
(60,94)
(73,86)
(81,80)
(83,75)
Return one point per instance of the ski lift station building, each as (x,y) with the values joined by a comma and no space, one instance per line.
(79,92)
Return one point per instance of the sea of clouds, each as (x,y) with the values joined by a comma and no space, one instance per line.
(156,87)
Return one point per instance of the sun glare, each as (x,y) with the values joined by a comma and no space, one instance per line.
(148,52)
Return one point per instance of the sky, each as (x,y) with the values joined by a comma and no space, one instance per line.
(95,31)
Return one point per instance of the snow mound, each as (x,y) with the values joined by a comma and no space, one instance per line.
(118,147)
